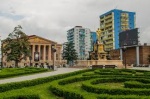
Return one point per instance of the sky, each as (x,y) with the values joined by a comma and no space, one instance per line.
(52,18)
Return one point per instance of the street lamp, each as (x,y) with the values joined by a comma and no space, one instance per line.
(30,58)
(124,51)
(53,50)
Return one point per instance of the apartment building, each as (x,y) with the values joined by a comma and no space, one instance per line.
(112,23)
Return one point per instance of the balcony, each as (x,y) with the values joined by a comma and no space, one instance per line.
(110,20)
(124,15)
(109,42)
(110,33)
(109,16)
(108,46)
(124,20)
(108,25)
(109,38)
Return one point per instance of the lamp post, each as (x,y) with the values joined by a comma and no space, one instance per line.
(124,51)
(53,50)
(30,58)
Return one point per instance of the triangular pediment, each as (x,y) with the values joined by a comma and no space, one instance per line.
(40,40)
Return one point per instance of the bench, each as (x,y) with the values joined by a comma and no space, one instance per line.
(102,66)
(110,66)
(97,66)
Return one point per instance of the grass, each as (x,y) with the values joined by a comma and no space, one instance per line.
(12,72)
(112,85)
(76,86)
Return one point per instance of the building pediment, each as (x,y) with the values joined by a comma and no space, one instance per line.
(40,40)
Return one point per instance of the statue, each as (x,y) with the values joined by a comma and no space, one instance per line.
(98,52)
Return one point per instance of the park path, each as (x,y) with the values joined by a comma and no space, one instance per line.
(40,75)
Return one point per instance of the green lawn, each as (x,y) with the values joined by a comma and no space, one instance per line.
(86,84)
(11,72)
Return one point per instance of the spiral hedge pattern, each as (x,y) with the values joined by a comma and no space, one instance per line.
(104,84)
(88,84)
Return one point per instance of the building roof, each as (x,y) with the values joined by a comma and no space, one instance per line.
(32,36)
(114,10)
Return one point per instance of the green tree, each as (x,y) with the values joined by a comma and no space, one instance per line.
(16,46)
(69,53)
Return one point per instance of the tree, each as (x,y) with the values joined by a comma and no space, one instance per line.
(16,46)
(69,52)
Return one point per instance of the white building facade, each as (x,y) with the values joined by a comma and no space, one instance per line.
(81,37)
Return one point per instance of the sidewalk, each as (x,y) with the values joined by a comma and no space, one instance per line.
(141,68)
(40,75)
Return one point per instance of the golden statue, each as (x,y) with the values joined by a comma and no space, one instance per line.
(98,52)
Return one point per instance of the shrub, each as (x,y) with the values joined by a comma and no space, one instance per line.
(23,97)
(17,85)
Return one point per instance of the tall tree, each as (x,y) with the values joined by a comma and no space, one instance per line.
(16,46)
(69,53)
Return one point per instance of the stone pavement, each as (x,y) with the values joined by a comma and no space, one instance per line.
(141,68)
(39,75)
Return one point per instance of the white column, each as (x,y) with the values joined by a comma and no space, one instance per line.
(55,53)
(137,55)
(39,50)
(121,58)
(49,52)
(44,52)
(33,50)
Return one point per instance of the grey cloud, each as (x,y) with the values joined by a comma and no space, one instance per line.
(52,18)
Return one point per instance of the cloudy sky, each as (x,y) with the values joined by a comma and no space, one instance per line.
(52,18)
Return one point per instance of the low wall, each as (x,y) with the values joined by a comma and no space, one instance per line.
(86,63)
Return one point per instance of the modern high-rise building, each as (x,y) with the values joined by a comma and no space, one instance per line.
(112,23)
(81,37)
(93,39)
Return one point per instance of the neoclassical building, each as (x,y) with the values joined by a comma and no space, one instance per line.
(41,53)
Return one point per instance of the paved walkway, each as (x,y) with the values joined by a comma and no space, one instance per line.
(141,68)
(40,75)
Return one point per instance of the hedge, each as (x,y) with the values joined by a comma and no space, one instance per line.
(17,85)
(119,91)
(23,97)
(136,84)
(106,96)
(66,94)
(74,79)
(22,72)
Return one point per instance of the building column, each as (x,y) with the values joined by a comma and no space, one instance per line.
(39,50)
(137,55)
(55,53)
(121,54)
(49,52)
(44,52)
(33,50)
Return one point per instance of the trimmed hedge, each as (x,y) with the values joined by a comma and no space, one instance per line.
(11,72)
(18,85)
(66,94)
(112,91)
(23,97)
(74,79)
(105,96)
(136,84)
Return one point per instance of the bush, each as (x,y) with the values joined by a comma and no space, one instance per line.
(119,91)
(23,97)
(17,85)
(136,84)
(11,72)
